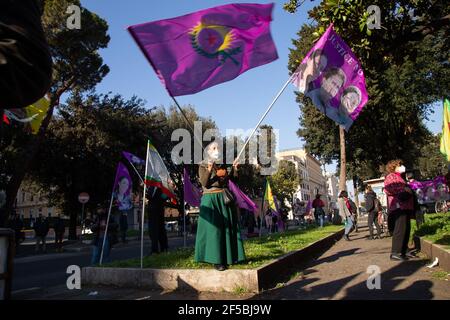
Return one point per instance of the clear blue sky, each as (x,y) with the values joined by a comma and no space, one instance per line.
(234,104)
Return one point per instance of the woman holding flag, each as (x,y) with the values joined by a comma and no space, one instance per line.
(218,238)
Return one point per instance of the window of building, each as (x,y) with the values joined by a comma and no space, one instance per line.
(31,198)
(23,197)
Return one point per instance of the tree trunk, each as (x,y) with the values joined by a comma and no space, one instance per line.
(342,176)
(355,187)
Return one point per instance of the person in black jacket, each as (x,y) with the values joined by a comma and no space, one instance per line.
(60,229)
(41,228)
(156,226)
(372,210)
(25,60)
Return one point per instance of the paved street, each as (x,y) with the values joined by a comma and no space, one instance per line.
(48,270)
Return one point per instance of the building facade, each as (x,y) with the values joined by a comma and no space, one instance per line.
(333,189)
(30,202)
(310,172)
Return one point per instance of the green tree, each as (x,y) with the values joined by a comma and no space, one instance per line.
(77,66)
(402,80)
(431,163)
(285,181)
(83,147)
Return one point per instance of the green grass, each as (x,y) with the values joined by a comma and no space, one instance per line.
(440,275)
(258,251)
(436,229)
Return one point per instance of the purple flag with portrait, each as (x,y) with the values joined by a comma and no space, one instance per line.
(122,191)
(242,200)
(199,50)
(431,190)
(332,77)
(192,194)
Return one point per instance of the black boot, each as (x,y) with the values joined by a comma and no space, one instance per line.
(220,267)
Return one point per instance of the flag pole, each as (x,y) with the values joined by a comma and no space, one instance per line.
(142,180)
(184,225)
(265,114)
(107,224)
(261,214)
(187,120)
(143,211)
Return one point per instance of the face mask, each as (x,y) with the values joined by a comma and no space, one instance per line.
(401,169)
(214,155)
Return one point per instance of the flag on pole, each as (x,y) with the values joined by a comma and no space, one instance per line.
(33,115)
(199,50)
(192,194)
(242,200)
(268,196)
(123,186)
(445,138)
(332,77)
(132,158)
(156,173)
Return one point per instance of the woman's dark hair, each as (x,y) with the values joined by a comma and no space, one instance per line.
(317,196)
(343,194)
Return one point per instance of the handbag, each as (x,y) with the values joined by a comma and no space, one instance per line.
(228,197)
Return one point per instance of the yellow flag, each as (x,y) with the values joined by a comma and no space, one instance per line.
(37,112)
(30,116)
(268,196)
(445,138)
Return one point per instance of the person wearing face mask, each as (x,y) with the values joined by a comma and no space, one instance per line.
(218,240)
(400,206)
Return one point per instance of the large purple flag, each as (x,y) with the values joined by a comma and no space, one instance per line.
(192,195)
(332,77)
(122,194)
(199,50)
(242,200)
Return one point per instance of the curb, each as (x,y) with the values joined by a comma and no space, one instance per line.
(432,251)
(209,280)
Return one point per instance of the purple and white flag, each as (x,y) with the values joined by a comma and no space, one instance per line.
(122,194)
(333,78)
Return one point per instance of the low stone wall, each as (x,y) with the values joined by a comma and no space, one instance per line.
(208,280)
(435,251)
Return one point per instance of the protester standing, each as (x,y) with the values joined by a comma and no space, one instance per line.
(345,213)
(60,229)
(100,236)
(400,207)
(41,228)
(372,207)
(319,213)
(156,221)
(218,240)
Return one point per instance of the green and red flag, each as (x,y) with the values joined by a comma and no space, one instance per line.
(156,173)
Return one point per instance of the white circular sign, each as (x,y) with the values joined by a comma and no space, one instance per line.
(83,197)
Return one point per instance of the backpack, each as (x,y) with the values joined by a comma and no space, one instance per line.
(352,206)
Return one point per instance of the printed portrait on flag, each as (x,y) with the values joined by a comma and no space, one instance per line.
(123,189)
(431,190)
(332,77)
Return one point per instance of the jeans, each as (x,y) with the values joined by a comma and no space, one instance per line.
(96,252)
(348,224)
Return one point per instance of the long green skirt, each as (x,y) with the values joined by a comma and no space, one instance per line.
(218,238)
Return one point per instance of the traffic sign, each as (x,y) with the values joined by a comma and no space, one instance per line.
(83,197)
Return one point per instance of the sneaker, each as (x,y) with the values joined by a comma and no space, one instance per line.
(346,237)
(409,255)
(397,257)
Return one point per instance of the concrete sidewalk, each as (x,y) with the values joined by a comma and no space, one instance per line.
(342,273)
